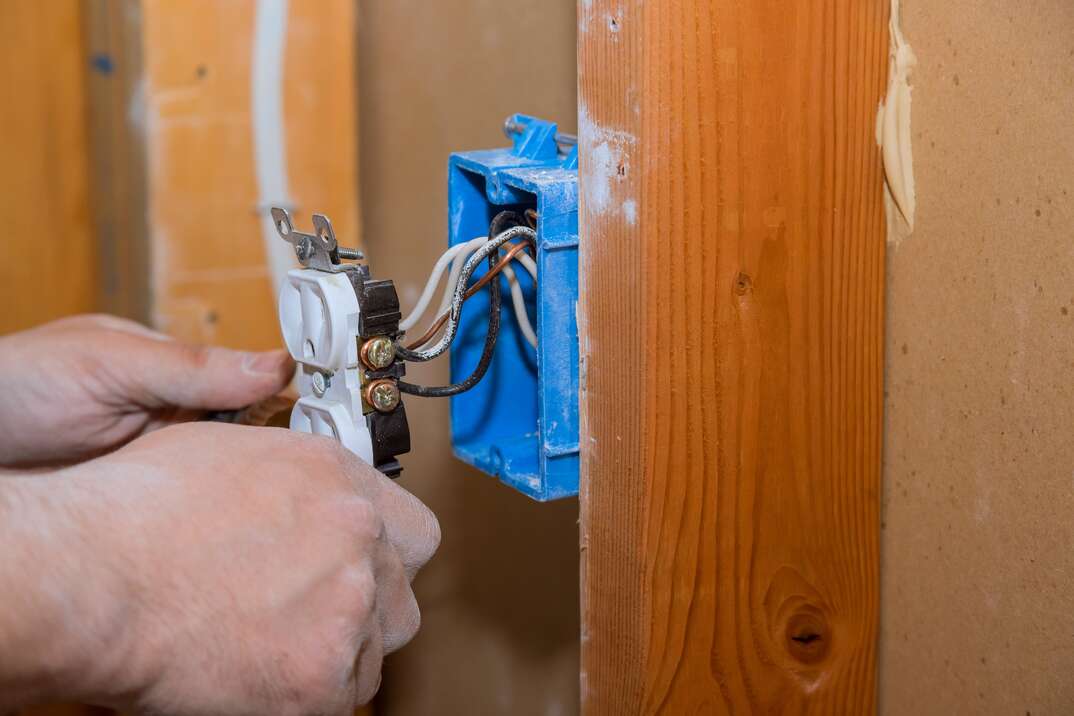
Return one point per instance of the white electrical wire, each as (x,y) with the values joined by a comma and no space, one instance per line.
(457,255)
(434,279)
(527,263)
(456,269)
(517,299)
(519,303)
(451,327)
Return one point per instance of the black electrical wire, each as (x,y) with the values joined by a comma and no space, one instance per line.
(500,223)
(478,373)
(451,326)
(504,221)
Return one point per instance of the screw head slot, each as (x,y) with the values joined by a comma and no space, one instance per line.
(383,395)
(378,352)
(320,384)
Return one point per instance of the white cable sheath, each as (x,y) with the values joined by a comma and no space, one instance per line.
(266,118)
(458,255)
(456,269)
(451,327)
(519,303)
(527,263)
(434,278)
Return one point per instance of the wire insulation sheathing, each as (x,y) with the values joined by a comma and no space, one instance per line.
(448,257)
(482,365)
(452,321)
(513,253)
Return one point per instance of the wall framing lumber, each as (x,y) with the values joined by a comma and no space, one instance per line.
(113,69)
(179,206)
(731,321)
(45,183)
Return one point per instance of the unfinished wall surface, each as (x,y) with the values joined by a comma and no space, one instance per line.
(211,180)
(44,188)
(500,601)
(978,533)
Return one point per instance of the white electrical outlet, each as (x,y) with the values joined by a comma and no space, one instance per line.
(319,319)
(331,419)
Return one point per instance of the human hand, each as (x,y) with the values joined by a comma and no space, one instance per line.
(80,386)
(216,569)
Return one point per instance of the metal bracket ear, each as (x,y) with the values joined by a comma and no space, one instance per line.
(318,250)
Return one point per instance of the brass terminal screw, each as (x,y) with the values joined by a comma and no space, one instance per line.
(378,352)
(383,395)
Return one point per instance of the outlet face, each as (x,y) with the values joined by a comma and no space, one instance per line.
(323,417)
(327,309)
(319,317)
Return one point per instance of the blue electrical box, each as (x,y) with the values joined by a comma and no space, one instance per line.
(520,423)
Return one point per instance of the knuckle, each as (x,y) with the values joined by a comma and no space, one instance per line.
(429,535)
(408,624)
(320,675)
(368,670)
(363,523)
(361,592)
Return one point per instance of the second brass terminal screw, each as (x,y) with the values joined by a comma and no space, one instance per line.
(383,395)
(378,352)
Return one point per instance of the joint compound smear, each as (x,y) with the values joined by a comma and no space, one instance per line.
(893,123)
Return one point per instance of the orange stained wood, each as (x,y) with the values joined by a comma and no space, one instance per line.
(210,277)
(732,343)
(48,260)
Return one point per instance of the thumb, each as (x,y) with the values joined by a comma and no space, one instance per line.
(211,378)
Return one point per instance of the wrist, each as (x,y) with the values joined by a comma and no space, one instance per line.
(62,623)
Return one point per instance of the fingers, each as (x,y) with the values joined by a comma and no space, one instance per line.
(171,373)
(160,372)
(397,608)
(410,526)
(105,321)
(368,660)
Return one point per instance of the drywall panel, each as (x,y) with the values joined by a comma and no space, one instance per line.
(500,601)
(978,526)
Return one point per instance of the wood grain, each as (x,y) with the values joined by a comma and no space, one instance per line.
(48,255)
(732,339)
(113,73)
(210,279)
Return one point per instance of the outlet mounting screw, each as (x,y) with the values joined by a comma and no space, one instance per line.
(320,384)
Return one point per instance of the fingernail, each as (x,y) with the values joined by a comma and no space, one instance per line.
(263,363)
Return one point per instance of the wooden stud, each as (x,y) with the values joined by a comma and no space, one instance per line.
(113,73)
(48,255)
(732,352)
(178,202)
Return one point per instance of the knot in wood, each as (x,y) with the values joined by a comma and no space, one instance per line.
(809,636)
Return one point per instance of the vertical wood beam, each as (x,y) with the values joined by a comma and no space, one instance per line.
(732,354)
(48,255)
(113,74)
(177,196)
